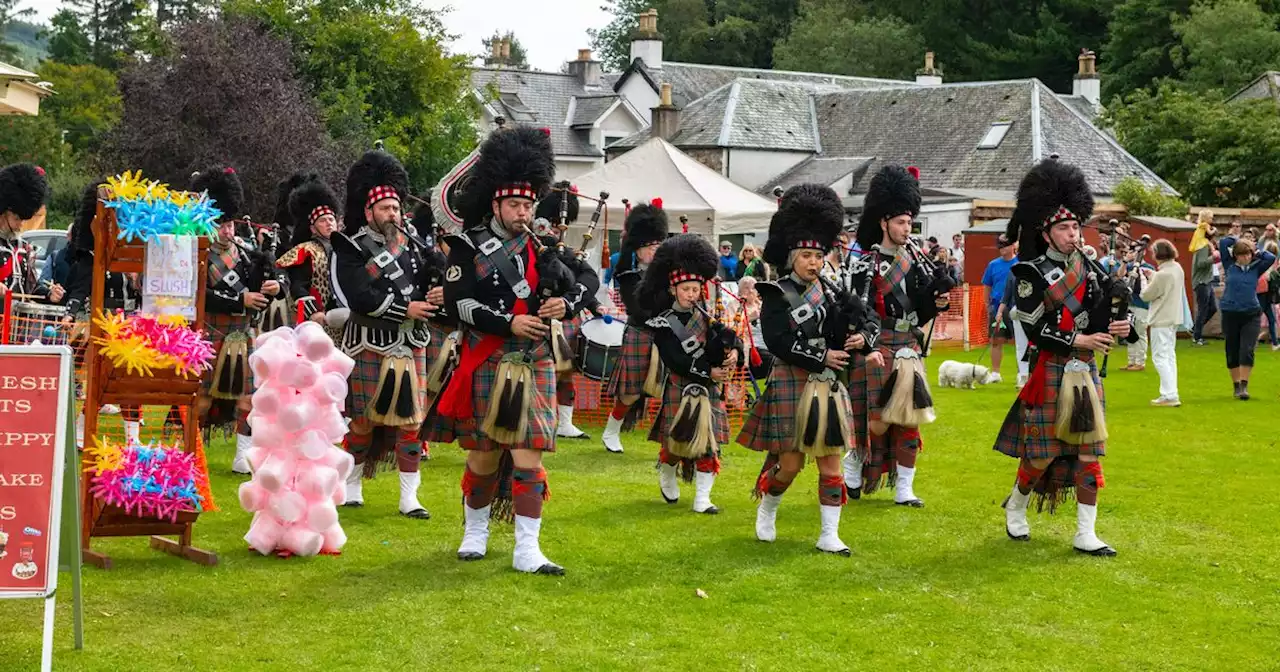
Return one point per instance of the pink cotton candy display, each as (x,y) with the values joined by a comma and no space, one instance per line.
(298,473)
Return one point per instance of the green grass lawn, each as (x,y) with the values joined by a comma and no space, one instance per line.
(1190,504)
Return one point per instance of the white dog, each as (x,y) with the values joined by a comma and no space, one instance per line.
(960,375)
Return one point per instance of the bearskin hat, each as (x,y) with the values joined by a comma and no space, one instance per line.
(687,256)
(549,206)
(283,190)
(512,162)
(304,200)
(375,169)
(645,224)
(224,188)
(23,189)
(893,191)
(82,226)
(808,216)
(1052,191)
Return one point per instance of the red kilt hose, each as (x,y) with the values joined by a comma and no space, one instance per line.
(542,412)
(363,383)
(771,427)
(671,393)
(216,327)
(879,459)
(633,363)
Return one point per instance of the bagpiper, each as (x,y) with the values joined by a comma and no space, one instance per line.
(1070,308)
(23,192)
(639,366)
(240,283)
(313,208)
(501,398)
(377,274)
(810,325)
(698,352)
(892,398)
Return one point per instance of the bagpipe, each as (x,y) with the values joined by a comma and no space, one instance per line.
(1116,291)
(905,399)
(693,434)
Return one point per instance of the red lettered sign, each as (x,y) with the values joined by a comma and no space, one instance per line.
(32,408)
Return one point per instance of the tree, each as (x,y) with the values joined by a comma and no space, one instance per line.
(720,32)
(88,103)
(1216,154)
(1136,55)
(111,26)
(1226,44)
(828,37)
(9,12)
(380,72)
(518,59)
(227,95)
(171,11)
(1139,199)
(68,40)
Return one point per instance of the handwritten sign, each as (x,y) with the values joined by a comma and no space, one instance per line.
(169,284)
(33,408)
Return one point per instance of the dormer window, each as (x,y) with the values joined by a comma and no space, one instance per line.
(516,108)
(995,135)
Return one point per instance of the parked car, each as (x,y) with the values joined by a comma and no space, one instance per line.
(47,243)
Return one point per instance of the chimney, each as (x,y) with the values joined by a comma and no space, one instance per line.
(495,57)
(646,41)
(1087,84)
(928,75)
(586,70)
(506,50)
(665,118)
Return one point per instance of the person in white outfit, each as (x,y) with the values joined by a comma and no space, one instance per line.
(1164,293)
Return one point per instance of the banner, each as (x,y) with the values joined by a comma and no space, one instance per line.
(33,412)
(169,280)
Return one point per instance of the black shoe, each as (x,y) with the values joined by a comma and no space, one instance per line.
(353,505)
(470,556)
(1104,552)
(711,511)
(1236,393)
(853,493)
(418,514)
(914,503)
(550,569)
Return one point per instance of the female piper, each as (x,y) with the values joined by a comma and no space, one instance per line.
(810,325)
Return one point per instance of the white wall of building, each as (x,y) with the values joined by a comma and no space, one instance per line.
(752,168)
(569,170)
(641,95)
(616,125)
(944,220)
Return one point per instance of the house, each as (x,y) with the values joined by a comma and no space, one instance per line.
(21,91)
(583,114)
(1267,85)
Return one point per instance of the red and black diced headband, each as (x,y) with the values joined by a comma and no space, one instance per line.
(379,193)
(319,212)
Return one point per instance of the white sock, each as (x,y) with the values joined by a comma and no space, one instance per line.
(409,482)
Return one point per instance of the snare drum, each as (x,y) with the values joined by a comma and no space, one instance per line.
(599,345)
(37,322)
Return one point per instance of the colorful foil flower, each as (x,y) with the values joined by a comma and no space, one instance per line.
(146,209)
(140,344)
(146,481)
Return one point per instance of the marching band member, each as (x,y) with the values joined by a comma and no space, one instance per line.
(906,292)
(810,325)
(699,353)
(501,397)
(638,364)
(314,211)
(1070,308)
(377,271)
(231,303)
(23,191)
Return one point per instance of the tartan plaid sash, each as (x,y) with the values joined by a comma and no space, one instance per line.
(511,247)
(384,261)
(692,336)
(222,269)
(806,308)
(893,280)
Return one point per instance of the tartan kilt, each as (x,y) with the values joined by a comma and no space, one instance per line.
(363,383)
(666,417)
(1028,431)
(771,426)
(872,380)
(572,327)
(542,418)
(633,363)
(216,328)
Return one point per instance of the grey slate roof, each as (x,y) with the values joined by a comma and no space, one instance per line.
(691,81)
(1080,104)
(588,109)
(822,170)
(938,129)
(547,96)
(1266,85)
(749,114)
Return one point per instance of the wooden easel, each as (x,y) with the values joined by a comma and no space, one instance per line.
(109,385)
